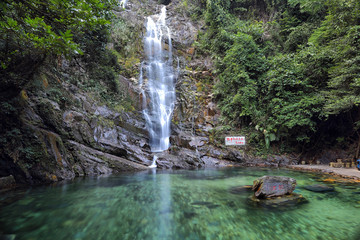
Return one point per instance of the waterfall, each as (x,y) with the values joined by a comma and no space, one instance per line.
(153,164)
(157,82)
(123,3)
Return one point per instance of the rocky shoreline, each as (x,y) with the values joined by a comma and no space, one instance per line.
(335,174)
(330,174)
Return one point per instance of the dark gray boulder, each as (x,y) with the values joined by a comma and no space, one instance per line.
(273,186)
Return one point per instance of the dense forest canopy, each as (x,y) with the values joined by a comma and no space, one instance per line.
(288,69)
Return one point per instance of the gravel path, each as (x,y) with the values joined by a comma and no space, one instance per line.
(352,173)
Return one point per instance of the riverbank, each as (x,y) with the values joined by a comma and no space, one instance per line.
(351,174)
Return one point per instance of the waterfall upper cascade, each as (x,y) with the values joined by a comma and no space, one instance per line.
(157,82)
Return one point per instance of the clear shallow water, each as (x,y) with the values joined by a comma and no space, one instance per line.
(178,205)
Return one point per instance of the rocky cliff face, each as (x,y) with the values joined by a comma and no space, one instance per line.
(62,130)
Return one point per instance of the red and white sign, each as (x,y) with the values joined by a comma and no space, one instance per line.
(235,141)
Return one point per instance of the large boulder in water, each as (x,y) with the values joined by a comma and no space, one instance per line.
(273,186)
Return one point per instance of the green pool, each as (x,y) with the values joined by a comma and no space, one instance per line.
(177,205)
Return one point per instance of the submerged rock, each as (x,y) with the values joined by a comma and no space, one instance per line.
(284,201)
(209,205)
(240,190)
(319,188)
(273,186)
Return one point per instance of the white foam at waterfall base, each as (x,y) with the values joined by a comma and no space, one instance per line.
(153,165)
(157,82)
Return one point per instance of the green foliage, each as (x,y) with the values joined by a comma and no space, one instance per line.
(291,77)
(195,8)
(122,34)
(290,102)
(309,6)
(298,37)
(342,37)
(49,26)
(238,86)
(32,30)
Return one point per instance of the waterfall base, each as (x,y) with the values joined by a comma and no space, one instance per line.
(153,165)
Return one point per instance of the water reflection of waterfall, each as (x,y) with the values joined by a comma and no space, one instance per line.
(157,82)
(166,219)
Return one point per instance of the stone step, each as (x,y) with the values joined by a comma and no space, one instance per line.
(342,165)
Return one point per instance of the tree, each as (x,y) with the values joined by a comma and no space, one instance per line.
(295,77)
(32,30)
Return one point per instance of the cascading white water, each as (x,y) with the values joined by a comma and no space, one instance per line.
(157,82)
(153,164)
(123,3)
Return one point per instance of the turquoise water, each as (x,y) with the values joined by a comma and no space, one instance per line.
(177,205)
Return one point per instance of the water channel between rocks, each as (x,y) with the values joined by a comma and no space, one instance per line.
(178,205)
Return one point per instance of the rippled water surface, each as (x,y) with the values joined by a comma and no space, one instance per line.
(177,205)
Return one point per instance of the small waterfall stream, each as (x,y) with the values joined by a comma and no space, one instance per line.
(123,3)
(157,82)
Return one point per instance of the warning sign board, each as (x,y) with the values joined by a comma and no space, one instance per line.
(235,141)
